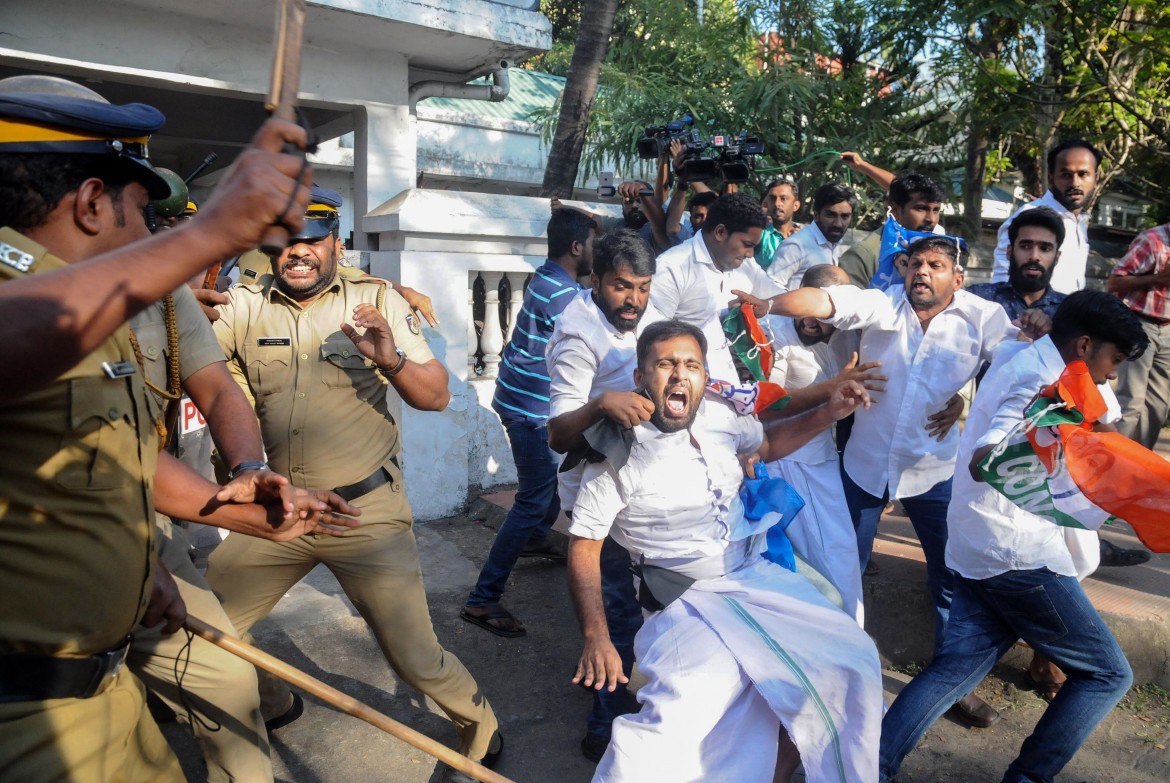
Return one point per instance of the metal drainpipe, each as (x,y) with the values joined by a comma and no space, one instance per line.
(433,88)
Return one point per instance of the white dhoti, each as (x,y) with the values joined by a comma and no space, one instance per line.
(822,533)
(731,661)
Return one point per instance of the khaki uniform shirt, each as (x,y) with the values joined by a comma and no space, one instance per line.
(322,405)
(198,348)
(77,461)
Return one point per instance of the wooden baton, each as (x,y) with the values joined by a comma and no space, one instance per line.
(283,89)
(341,701)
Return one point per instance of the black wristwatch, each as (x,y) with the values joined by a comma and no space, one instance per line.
(397,368)
(244,467)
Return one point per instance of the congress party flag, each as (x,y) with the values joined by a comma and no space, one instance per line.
(1055,465)
(753,347)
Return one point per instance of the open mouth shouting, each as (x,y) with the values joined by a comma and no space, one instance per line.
(676,402)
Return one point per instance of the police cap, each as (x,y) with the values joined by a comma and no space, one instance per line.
(47,114)
(321,216)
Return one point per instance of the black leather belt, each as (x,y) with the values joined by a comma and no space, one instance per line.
(43,677)
(368,484)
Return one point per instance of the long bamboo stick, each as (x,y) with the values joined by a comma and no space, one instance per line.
(341,701)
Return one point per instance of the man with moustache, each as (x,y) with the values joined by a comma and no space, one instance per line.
(318,353)
(915,201)
(780,203)
(522,402)
(817,243)
(1072,180)
(591,363)
(931,339)
(734,646)
(695,280)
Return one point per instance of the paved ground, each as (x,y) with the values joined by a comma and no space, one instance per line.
(542,715)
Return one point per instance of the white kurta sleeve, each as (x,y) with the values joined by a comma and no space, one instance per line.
(572,366)
(856,308)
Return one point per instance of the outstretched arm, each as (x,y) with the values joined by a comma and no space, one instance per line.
(67,313)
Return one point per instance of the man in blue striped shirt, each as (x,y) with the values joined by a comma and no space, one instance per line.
(522,402)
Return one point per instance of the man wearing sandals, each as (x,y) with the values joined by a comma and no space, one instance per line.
(522,402)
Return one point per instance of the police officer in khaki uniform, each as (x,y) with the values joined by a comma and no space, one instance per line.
(80,470)
(184,368)
(316,351)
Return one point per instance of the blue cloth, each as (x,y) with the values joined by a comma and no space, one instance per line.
(623,615)
(1052,614)
(532,515)
(928,515)
(895,239)
(1013,303)
(765,493)
(522,385)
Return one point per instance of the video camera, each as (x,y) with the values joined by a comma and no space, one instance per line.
(722,156)
(735,154)
(655,140)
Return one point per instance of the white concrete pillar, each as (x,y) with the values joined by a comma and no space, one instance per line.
(516,281)
(492,339)
(384,160)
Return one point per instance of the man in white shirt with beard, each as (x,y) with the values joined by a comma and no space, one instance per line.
(591,364)
(735,646)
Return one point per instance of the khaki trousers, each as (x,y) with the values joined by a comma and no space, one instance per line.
(378,568)
(217,693)
(109,738)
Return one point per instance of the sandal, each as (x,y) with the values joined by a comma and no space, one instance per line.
(497,613)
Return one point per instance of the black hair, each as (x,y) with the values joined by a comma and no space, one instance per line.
(566,226)
(704,199)
(33,184)
(821,275)
(1101,316)
(904,186)
(777,182)
(828,195)
(736,212)
(1072,144)
(667,330)
(1041,217)
(945,245)
(623,248)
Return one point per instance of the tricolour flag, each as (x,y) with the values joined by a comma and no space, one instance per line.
(1055,465)
(754,349)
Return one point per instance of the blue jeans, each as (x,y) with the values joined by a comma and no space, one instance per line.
(1052,614)
(532,515)
(623,614)
(928,515)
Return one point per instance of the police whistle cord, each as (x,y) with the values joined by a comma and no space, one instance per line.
(341,701)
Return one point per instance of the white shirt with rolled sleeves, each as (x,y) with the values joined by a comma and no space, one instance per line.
(587,357)
(989,534)
(687,286)
(1068,276)
(806,248)
(674,504)
(890,446)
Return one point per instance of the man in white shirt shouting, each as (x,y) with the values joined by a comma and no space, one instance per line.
(735,646)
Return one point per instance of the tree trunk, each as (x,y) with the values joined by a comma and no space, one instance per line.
(564,156)
(977,146)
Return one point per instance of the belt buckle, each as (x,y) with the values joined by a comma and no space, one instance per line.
(110,665)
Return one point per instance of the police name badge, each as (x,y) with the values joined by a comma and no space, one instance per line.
(413,325)
(16,258)
(190,419)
